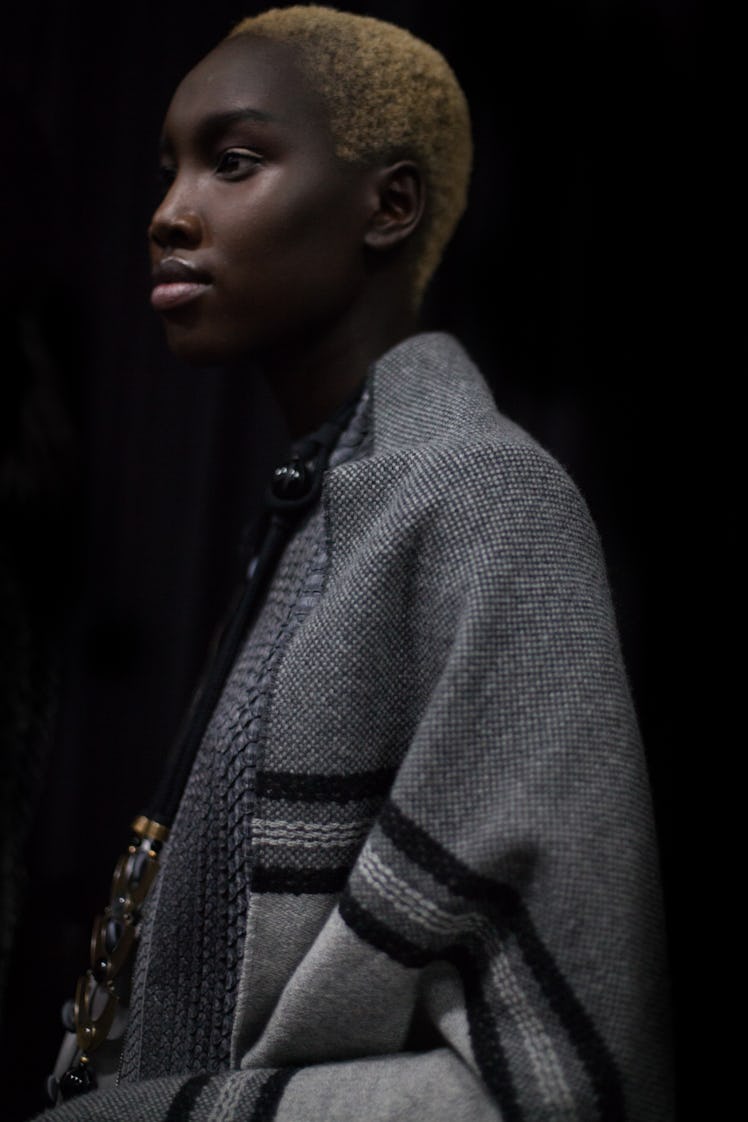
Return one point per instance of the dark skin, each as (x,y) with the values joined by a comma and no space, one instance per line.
(267,248)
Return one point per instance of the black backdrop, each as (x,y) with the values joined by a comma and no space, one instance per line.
(571,281)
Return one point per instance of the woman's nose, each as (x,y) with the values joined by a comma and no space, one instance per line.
(175,222)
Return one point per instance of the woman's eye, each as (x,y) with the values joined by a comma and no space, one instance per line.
(166,176)
(235,163)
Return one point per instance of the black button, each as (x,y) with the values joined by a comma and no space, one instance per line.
(77,1080)
(291,481)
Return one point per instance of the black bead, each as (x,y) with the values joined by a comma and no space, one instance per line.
(291,481)
(77,1080)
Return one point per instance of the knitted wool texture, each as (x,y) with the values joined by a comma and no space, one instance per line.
(192,975)
(388,96)
(452,907)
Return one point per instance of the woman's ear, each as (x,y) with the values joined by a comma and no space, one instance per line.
(399,199)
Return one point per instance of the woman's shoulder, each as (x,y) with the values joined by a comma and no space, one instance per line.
(445,463)
(434,419)
(427,391)
(430,405)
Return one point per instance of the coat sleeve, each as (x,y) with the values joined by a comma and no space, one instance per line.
(507,895)
(516,847)
(495,952)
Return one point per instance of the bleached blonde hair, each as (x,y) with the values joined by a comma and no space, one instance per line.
(388,96)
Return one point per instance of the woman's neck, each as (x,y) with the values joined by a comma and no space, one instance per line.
(312,379)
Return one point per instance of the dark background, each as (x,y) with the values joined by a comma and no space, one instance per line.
(574,280)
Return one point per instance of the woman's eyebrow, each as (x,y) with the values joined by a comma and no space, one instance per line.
(214,123)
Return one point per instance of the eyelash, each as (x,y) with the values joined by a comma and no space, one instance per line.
(239,156)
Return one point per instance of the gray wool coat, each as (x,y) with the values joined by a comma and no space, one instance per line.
(448,906)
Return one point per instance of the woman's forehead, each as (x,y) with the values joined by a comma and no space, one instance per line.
(248,74)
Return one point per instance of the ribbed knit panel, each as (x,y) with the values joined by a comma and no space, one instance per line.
(189,960)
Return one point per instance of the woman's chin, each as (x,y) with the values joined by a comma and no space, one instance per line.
(190,348)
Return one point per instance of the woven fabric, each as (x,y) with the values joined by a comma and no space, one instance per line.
(451,899)
(185,985)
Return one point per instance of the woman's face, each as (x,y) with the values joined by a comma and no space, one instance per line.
(258,242)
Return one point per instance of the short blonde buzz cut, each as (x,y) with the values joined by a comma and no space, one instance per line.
(388,96)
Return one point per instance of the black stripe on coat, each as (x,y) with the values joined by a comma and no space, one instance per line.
(277,878)
(379,935)
(503,906)
(181,1105)
(271,1093)
(485,1039)
(323,788)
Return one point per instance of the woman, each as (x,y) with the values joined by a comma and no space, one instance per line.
(411,868)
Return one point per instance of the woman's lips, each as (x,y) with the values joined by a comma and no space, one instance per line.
(176,282)
(173,294)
